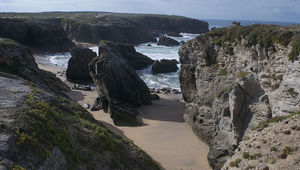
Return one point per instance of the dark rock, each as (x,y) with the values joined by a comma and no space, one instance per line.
(99,103)
(164,66)
(154,97)
(41,37)
(149,45)
(17,59)
(118,82)
(87,106)
(167,41)
(213,28)
(175,91)
(283,155)
(236,23)
(123,114)
(78,64)
(182,42)
(137,60)
(287,132)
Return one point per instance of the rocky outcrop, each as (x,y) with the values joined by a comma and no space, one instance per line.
(118,83)
(164,66)
(232,79)
(78,69)
(137,60)
(40,36)
(271,146)
(167,41)
(17,59)
(39,130)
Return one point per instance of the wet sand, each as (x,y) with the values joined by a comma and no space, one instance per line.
(165,136)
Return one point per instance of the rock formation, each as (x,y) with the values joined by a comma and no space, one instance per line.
(40,36)
(39,130)
(118,83)
(78,64)
(166,41)
(164,66)
(232,79)
(17,59)
(137,60)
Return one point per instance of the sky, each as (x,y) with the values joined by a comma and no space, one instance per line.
(263,10)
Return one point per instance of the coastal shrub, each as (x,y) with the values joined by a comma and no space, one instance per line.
(223,91)
(235,163)
(18,167)
(243,74)
(272,161)
(251,167)
(274,120)
(223,72)
(273,149)
(245,155)
(254,156)
(287,150)
(295,48)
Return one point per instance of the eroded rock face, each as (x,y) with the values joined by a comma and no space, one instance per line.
(230,88)
(78,69)
(118,83)
(17,59)
(167,41)
(164,66)
(40,36)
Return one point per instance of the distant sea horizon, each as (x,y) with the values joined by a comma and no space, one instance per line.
(221,23)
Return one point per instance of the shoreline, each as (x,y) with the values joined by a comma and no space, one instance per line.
(165,136)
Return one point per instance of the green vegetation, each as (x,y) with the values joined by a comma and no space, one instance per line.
(273,149)
(251,167)
(223,72)
(243,74)
(287,150)
(61,123)
(272,161)
(18,167)
(264,141)
(235,163)
(274,120)
(246,155)
(223,91)
(264,35)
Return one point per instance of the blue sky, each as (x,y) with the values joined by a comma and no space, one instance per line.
(265,10)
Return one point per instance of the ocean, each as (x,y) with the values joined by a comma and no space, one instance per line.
(155,52)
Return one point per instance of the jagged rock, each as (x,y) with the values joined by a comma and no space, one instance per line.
(166,41)
(164,66)
(40,36)
(182,42)
(231,87)
(17,59)
(117,81)
(78,64)
(137,60)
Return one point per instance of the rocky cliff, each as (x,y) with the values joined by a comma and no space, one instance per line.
(232,79)
(91,27)
(40,36)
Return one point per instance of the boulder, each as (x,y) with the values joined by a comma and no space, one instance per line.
(78,64)
(164,66)
(167,41)
(118,83)
(155,96)
(137,60)
(17,59)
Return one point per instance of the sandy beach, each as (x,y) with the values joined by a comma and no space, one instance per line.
(165,136)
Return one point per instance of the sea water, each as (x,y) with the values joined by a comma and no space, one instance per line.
(155,52)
